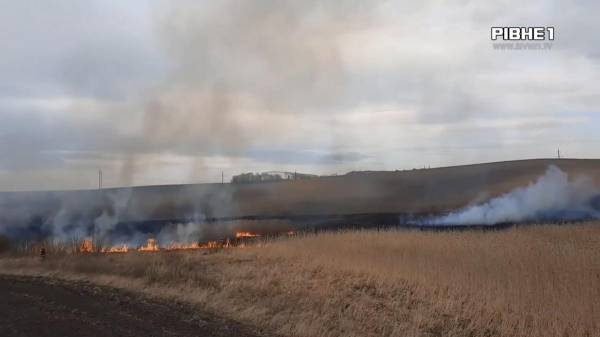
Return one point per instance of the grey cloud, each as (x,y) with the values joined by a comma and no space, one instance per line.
(73,48)
(337,157)
(108,69)
(273,81)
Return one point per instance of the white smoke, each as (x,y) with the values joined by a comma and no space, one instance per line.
(552,197)
(106,222)
(180,233)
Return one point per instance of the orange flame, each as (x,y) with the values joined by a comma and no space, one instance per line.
(182,246)
(116,249)
(192,246)
(86,246)
(245,235)
(211,244)
(151,246)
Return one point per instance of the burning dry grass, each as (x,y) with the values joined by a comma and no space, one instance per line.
(532,281)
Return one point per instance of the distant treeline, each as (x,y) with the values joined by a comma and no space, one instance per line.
(269,176)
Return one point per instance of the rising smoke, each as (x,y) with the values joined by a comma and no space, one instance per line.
(192,213)
(552,197)
(242,82)
(175,214)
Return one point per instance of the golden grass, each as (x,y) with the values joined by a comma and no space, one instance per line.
(530,281)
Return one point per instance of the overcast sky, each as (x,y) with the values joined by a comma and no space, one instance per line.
(158,92)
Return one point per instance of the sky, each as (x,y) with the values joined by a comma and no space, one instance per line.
(167,92)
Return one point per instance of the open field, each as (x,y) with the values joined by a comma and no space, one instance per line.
(526,281)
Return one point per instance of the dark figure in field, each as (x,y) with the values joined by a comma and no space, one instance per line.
(42,253)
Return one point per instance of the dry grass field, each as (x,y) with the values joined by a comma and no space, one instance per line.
(527,281)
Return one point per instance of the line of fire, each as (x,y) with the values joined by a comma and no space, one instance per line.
(240,240)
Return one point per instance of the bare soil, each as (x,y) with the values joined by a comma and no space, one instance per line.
(35,306)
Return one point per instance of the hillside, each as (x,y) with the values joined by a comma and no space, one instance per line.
(420,191)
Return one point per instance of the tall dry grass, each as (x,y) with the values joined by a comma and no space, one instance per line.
(531,281)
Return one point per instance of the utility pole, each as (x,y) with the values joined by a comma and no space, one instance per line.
(222,178)
(558,153)
(94,243)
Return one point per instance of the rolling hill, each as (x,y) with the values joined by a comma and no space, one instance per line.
(373,196)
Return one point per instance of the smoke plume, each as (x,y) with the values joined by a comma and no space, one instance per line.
(553,196)
(267,61)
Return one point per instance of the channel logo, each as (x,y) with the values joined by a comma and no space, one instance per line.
(522,33)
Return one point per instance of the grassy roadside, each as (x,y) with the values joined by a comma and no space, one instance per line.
(533,281)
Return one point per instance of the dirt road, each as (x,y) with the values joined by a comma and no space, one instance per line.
(41,307)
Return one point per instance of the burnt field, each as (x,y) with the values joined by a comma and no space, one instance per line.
(354,200)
